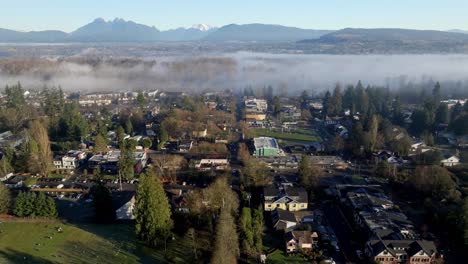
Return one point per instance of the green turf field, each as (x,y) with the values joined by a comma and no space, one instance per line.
(298,135)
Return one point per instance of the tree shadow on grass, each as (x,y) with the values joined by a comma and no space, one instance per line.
(12,256)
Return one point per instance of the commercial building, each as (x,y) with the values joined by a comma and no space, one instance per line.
(108,163)
(266,146)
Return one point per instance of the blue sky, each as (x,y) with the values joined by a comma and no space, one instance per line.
(68,15)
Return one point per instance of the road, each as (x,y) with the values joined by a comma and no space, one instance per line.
(343,231)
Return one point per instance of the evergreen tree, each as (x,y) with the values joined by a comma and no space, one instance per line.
(126,164)
(397,116)
(421,121)
(153,221)
(337,100)
(327,105)
(14,96)
(258,227)
(460,124)
(373,133)
(163,136)
(40,205)
(140,100)
(5,199)
(129,126)
(276,106)
(100,144)
(120,133)
(24,204)
(247,235)
(457,110)
(51,208)
(102,199)
(443,114)
(436,93)
(348,100)
(101,128)
(19,207)
(146,143)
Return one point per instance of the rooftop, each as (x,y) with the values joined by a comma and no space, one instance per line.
(265,142)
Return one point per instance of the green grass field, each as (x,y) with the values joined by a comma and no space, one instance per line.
(42,243)
(298,135)
(279,257)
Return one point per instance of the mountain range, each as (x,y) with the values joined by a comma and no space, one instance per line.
(386,41)
(119,30)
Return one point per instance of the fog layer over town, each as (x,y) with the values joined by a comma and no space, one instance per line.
(291,73)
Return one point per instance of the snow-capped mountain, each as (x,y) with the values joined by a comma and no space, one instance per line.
(203,27)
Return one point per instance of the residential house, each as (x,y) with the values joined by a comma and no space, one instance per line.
(200,133)
(124,203)
(401,251)
(328,161)
(450,160)
(283,220)
(208,164)
(8,139)
(255,109)
(70,161)
(285,198)
(300,240)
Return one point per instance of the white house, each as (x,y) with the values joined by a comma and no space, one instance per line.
(70,161)
(450,161)
(207,164)
(125,203)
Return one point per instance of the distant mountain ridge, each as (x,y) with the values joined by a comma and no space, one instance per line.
(119,30)
(388,40)
(390,34)
(263,32)
(345,40)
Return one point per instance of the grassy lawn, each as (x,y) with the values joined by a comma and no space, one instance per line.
(278,256)
(298,135)
(356,179)
(42,243)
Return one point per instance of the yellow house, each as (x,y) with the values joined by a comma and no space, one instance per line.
(286,198)
(255,116)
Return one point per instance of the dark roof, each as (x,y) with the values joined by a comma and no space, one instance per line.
(298,192)
(301,236)
(427,246)
(283,215)
(411,247)
(271,191)
(119,199)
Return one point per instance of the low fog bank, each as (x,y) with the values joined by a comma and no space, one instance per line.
(291,73)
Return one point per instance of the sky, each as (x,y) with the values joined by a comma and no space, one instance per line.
(68,15)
